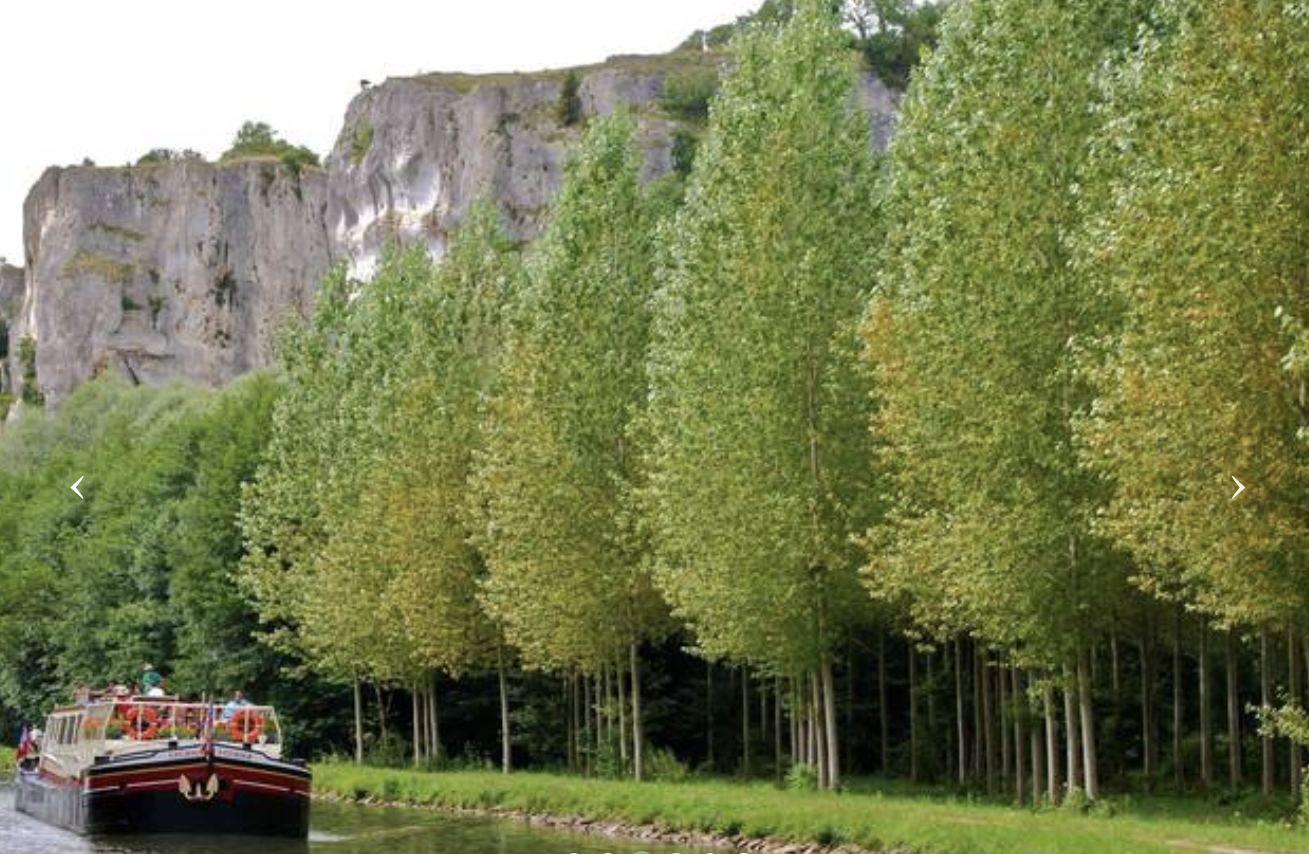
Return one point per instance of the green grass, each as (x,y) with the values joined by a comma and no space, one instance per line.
(875,817)
(633,64)
(6,763)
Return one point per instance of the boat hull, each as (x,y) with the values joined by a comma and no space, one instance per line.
(177,795)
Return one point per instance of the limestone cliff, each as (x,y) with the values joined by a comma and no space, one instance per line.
(172,270)
(414,152)
(184,269)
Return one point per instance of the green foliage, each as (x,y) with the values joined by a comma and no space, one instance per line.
(555,483)
(759,458)
(801,777)
(257,139)
(157,156)
(104,267)
(687,94)
(32,393)
(568,109)
(685,145)
(361,141)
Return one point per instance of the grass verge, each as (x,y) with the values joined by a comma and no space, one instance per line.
(869,818)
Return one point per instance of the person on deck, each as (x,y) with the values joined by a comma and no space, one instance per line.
(238,700)
(151,682)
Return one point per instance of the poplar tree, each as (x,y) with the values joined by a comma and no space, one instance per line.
(566,571)
(760,458)
(974,332)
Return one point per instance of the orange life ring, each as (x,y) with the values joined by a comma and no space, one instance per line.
(134,716)
(245,725)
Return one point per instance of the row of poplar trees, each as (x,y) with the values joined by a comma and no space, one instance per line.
(987,389)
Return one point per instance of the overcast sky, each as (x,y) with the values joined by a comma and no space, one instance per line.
(110,81)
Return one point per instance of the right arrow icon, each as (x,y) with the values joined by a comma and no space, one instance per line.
(1240,487)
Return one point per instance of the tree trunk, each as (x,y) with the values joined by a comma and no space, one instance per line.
(1006,722)
(433,720)
(745,723)
(1293,666)
(622,716)
(1266,699)
(883,718)
(1206,722)
(709,710)
(1149,742)
(1233,714)
(1090,769)
(359,723)
(418,729)
(381,713)
(1117,680)
(1020,735)
(587,746)
(829,713)
(1072,741)
(506,756)
(777,728)
(913,713)
(1051,745)
(961,729)
(638,724)
(820,731)
(1036,748)
(979,728)
(1179,772)
(988,724)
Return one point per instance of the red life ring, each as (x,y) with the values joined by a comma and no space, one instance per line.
(134,716)
(245,725)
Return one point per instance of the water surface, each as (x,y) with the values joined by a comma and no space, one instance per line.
(335,829)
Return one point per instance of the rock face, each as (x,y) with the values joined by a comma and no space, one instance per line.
(173,270)
(415,152)
(184,270)
(13,284)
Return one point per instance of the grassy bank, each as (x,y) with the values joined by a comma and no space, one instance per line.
(873,819)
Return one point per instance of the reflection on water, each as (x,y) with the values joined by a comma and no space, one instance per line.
(336,829)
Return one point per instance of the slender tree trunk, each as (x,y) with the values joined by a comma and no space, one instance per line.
(587,744)
(381,714)
(1266,699)
(1020,735)
(1295,757)
(988,724)
(1149,742)
(622,716)
(1073,742)
(418,729)
(961,728)
(883,716)
(709,710)
(820,731)
(1117,679)
(1233,714)
(829,724)
(1036,747)
(1179,772)
(847,744)
(795,749)
(979,726)
(913,714)
(777,728)
(433,719)
(1206,721)
(638,722)
(745,722)
(1006,722)
(1051,745)
(359,723)
(1090,767)
(506,755)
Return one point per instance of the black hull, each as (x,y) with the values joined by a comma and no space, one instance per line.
(156,808)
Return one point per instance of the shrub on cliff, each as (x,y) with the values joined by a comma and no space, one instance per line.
(258,139)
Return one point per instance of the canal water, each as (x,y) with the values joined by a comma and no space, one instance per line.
(335,829)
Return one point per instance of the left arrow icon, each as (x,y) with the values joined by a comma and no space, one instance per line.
(74,487)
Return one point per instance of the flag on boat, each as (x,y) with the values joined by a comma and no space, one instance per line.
(25,744)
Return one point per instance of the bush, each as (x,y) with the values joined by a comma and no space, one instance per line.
(32,393)
(683,151)
(568,110)
(802,777)
(169,155)
(662,765)
(686,95)
(257,139)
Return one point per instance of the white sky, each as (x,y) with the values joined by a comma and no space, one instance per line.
(111,80)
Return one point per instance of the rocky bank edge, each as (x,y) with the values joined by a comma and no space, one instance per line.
(614,829)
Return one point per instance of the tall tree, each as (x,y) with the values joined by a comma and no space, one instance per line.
(760,462)
(567,574)
(973,336)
